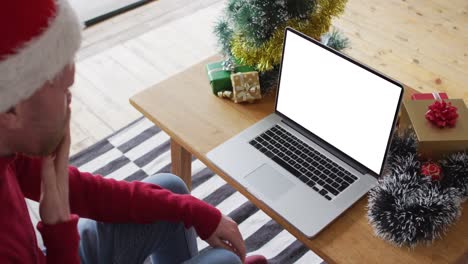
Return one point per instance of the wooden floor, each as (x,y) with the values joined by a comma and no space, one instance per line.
(133,51)
(421,43)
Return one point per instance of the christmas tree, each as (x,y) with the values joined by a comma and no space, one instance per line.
(251,32)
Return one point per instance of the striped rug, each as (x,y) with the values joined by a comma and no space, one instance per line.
(142,149)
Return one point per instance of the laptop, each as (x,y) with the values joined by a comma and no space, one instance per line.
(324,147)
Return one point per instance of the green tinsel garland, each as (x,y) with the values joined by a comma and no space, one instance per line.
(267,55)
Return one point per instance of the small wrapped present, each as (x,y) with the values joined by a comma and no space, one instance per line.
(434,142)
(429,96)
(219,74)
(245,87)
(225,94)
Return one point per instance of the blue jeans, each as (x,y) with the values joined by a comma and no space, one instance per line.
(166,242)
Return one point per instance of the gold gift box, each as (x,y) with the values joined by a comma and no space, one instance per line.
(245,87)
(434,142)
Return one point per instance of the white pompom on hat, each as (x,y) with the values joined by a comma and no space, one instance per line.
(39,38)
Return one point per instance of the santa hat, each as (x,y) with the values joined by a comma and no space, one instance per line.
(38,39)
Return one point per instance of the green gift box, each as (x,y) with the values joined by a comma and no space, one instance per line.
(220,77)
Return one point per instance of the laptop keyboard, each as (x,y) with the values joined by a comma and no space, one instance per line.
(308,165)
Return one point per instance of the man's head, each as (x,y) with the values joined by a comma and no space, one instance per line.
(37,52)
(35,126)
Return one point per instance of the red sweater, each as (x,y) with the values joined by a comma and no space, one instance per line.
(92,197)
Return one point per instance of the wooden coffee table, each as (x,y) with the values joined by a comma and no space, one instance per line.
(197,121)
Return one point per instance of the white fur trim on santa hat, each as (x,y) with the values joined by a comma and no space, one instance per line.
(41,59)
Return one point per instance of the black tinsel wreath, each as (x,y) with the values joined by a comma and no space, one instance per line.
(407,208)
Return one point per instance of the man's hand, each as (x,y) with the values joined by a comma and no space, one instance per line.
(54,205)
(228,236)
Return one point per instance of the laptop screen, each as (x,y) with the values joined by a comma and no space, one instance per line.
(344,104)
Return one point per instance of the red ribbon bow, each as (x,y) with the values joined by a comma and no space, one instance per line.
(442,114)
(431,169)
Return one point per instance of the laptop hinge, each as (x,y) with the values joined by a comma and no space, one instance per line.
(360,168)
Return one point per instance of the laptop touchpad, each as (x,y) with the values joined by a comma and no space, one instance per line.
(269,182)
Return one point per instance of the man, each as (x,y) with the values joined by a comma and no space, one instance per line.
(131,221)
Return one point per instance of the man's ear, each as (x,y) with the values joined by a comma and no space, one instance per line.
(10,118)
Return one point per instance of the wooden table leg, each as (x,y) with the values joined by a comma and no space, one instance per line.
(181,163)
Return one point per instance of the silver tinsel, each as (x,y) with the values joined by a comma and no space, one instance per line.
(407,208)
(456,168)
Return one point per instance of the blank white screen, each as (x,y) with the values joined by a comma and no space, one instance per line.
(340,102)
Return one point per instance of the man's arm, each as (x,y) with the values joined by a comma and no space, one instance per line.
(108,200)
(120,201)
